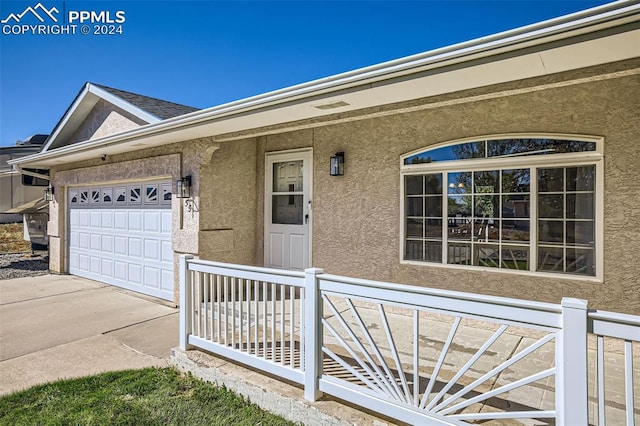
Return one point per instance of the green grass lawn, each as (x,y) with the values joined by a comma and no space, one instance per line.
(137,397)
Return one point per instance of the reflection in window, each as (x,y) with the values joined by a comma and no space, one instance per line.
(499,148)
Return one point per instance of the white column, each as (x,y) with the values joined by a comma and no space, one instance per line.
(571,364)
(312,334)
(186,302)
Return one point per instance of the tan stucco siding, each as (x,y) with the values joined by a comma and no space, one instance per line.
(356,223)
(104,119)
(228,204)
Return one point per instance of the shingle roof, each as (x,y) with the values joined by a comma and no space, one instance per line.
(159,108)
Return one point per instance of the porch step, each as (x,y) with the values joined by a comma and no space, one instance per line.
(271,394)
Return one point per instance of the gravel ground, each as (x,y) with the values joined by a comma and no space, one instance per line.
(23,265)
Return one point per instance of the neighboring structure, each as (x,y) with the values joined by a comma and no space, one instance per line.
(499,166)
(13,192)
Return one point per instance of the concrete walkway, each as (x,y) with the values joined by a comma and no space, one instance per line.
(60,326)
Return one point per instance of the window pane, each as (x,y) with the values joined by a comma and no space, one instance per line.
(459,205)
(287,176)
(487,255)
(581,178)
(580,233)
(580,261)
(433,206)
(487,230)
(433,251)
(433,183)
(486,182)
(551,231)
(515,230)
(414,206)
(287,209)
(413,250)
(551,205)
(463,151)
(515,257)
(580,206)
(551,259)
(518,147)
(459,229)
(487,206)
(551,180)
(515,206)
(516,180)
(459,183)
(433,228)
(414,228)
(413,185)
(459,254)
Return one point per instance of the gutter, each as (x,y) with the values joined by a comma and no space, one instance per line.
(590,20)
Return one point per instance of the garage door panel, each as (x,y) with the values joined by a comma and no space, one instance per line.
(122,243)
(83,262)
(167,252)
(106,268)
(166,222)
(135,221)
(152,221)
(83,240)
(95,264)
(107,243)
(151,277)
(120,220)
(95,219)
(152,249)
(73,239)
(74,218)
(166,280)
(135,273)
(120,270)
(83,219)
(107,219)
(135,247)
(95,243)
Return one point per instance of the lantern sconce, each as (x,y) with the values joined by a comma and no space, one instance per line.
(184,187)
(337,164)
(48,193)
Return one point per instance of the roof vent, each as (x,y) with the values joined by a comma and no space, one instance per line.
(332,105)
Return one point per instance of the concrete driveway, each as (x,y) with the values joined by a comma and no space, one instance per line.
(61,326)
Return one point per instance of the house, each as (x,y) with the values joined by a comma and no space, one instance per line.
(500,166)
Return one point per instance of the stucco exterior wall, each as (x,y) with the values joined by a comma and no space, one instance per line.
(356,223)
(103,120)
(228,204)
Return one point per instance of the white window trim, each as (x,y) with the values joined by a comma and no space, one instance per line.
(595,158)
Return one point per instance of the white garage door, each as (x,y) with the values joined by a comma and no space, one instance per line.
(121,235)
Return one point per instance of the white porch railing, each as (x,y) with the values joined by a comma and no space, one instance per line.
(419,355)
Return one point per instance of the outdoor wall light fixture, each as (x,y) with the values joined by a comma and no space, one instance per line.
(337,164)
(184,187)
(48,193)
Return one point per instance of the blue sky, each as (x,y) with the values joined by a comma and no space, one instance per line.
(204,53)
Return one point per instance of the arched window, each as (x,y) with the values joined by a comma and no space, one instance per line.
(516,203)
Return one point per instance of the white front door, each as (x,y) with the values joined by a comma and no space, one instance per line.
(288,210)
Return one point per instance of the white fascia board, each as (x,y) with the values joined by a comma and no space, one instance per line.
(589,21)
(122,104)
